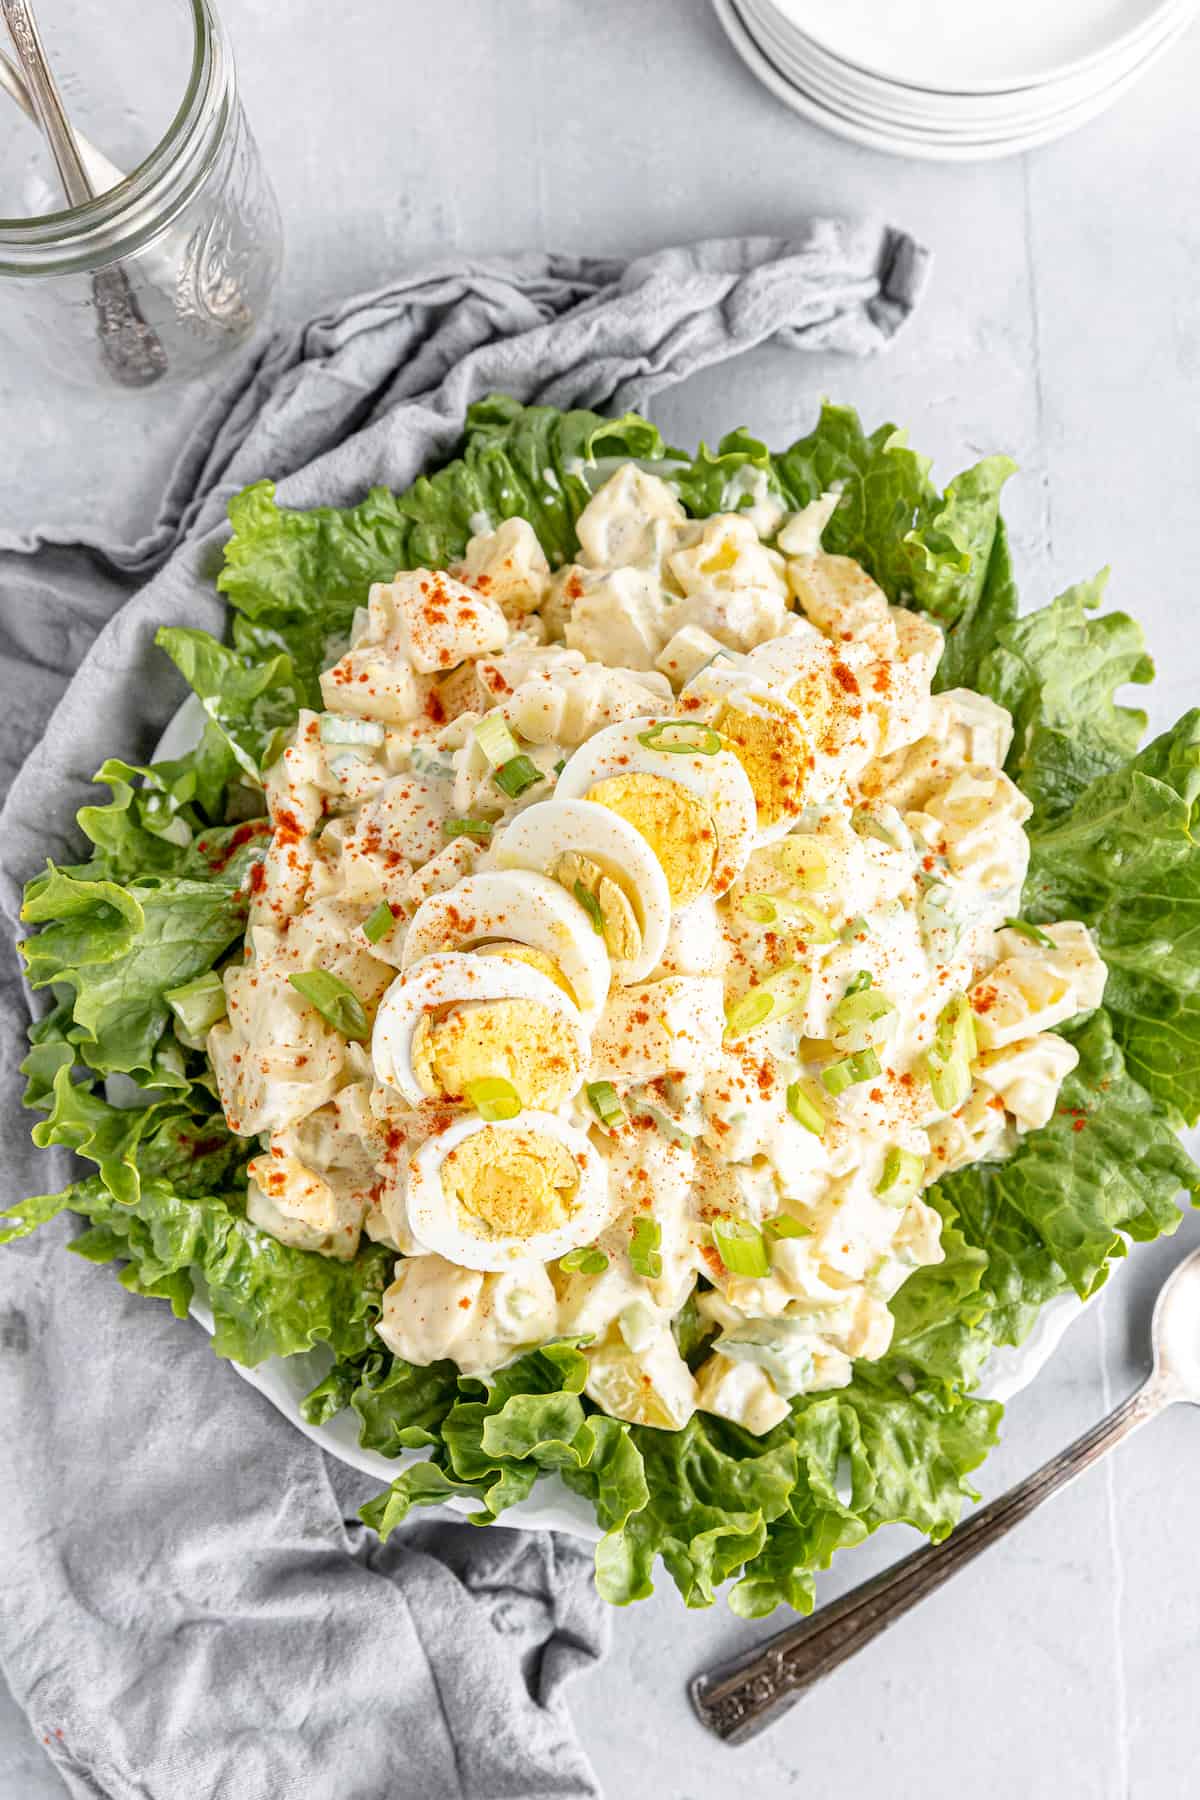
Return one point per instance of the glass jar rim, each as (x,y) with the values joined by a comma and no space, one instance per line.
(120,221)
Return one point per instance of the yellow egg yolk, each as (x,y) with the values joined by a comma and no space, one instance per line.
(722,559)
(673,822)
(525,953)
(522,1041)
(513,1184)
(618,921)
(772,746)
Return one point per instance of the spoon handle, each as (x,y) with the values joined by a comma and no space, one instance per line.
(740,1698)
(47,102)
(15,88)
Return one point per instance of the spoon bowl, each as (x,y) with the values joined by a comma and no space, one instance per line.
(1175,1332)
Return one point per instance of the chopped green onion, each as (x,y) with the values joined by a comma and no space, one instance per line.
(379,923)
(639,1325)
(764,909)
(939,926)
(955,1028)
(804,861)
(493,1098)
(948,1059)
(472,828)
(779,994)
(335,729)
(746,1014)
(495,740)
(772,909)
(427,762)
(860,1019)
(857,983)
(903,1173)
(682,740)
(849,1072)
(1034,933)
(519,772)
(348,766)
(741,1248)
(605,1102)
(591,907)
(335,1000)
(867,826)
(854,929)
(199,1004)
(819,929)
(644,1258)
(587,1261)
(784,1226)
(560,765)
(805,1108)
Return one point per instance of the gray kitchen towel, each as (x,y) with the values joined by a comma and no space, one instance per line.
(188,1606)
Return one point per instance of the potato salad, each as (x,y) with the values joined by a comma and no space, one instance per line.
(635,942)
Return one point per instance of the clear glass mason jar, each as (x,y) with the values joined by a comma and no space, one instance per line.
(194,227)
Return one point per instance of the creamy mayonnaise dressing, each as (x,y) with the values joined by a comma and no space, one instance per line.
(661,909)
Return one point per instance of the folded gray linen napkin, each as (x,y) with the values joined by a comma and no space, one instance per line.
(189,1606)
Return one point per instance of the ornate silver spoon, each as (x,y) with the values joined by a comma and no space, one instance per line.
(132,350)
(742,1697)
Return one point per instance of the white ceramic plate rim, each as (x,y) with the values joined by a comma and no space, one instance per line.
(920,149)
(893,104)
(1044,96)
(1034,131)
(284,1381)
(869,57)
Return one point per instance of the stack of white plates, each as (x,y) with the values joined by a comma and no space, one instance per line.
(954,80)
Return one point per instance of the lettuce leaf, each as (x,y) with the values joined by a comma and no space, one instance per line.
(969,638)
(925,549)
(119,949)
(1056,1214)
(162,900)
(267,1299)
(150,824)
(943,1311)
(1057,671)
(250,704)
(1126,860)
(727,479)
(294,579)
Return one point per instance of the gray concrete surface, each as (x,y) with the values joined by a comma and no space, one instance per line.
(1063,327)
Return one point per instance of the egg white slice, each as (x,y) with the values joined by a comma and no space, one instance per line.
(843,724)
(438,981)
(767,732)
(516,904)
(541,834)
(718,782)
(440,1223)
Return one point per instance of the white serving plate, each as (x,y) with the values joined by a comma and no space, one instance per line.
(284,1381)
(863,127)
(974,46)
(909,138)
(884,104)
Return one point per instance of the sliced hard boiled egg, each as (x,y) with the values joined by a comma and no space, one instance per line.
(488,1196)
(829,685)
(676,783)
(455,1019)
(574,841)
(766,732)
(515,905)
